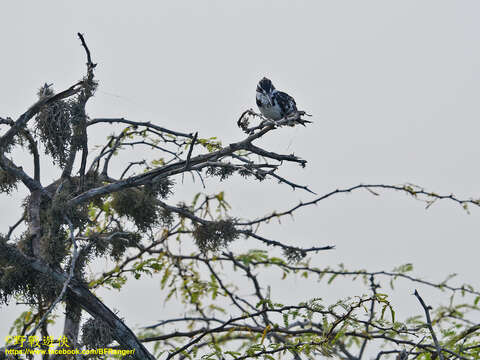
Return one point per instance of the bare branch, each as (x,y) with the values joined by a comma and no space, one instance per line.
(141,162)
(18,172)
(408,189)
(429,324)
(272,155)
(36,155)
(14,226)
(187,163)
(137,123)
(90,64)
(283,246)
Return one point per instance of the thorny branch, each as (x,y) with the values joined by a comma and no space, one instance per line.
(189,156)
(90,64)
(429,324)
(412,190)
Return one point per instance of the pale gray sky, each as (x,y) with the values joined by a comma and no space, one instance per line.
(393,87)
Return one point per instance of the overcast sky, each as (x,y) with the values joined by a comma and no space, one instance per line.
(393,87)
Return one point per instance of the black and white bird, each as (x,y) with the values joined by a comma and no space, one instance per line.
(274,104)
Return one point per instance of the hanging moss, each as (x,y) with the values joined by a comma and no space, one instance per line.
(161,188)
(53,126)
(55,238)
(138,205)
(119,243)
(215,235)
(166,218)
(17,279)
(96,334)
(294,255)
(249,171)
(113,244)
(8,182)
(223,172)
(24,244)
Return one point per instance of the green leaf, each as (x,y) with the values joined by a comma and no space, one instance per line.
(340,333)
(383,312)
(165,277)
(392,313)
(332,278)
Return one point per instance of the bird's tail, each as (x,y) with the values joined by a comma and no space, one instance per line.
(302,122)
(296,118)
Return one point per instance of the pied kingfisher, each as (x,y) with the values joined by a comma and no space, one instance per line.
(274,104)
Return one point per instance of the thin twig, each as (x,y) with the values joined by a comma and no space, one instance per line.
(141,162)
(90,64)
(429,324)
(137,123)
(192,144)
(414,191)
(14,226)
(373,287)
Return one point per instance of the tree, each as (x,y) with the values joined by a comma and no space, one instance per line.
(89,214)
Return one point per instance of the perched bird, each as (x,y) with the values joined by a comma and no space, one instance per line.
(274,104)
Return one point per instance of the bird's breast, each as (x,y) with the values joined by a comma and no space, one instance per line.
(269,110)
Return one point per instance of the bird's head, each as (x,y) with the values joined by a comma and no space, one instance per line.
(265,86)
(265,90)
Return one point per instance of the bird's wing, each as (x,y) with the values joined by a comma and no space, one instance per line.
(288,105)
(286,102)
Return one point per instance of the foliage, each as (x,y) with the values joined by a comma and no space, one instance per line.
(141,205)
(53,126)
(18,279)
(96,334)
(215,235)
(8,182)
